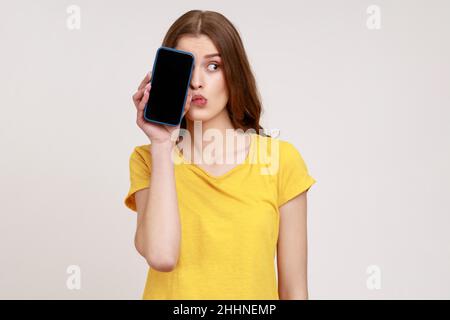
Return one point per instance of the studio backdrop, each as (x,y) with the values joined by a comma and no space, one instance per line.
(361,88)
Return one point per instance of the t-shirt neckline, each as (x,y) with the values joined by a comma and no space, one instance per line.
(222,176)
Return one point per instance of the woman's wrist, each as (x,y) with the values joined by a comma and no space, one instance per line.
(161,149)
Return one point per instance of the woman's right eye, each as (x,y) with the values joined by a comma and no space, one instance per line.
(216,64)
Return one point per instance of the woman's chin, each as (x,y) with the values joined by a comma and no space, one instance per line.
(197,115)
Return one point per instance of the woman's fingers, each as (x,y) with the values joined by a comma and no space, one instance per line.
(137,97)
(141,106)
(144,99)
(138,116)
(146,80)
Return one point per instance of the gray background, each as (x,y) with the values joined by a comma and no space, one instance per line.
(367,109)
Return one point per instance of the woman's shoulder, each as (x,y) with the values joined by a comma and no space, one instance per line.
(275,145)
(141,153)
(276,154)
(143,149)
(286,161)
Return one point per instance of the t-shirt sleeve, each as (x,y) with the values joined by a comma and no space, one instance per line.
(140,170)
(294,177)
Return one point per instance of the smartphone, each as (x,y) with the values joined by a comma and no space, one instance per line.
(171,76)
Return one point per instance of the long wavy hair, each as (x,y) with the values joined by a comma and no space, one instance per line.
(244,103)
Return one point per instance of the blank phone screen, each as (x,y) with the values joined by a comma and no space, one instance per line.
(171,76)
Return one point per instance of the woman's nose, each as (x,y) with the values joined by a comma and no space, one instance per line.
(195,78)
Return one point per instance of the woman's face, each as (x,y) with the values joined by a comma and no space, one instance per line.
(207,78)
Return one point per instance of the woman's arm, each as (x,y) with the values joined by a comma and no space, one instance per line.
(158,229)
(292,250)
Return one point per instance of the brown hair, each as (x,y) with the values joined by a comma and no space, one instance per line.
(244,103)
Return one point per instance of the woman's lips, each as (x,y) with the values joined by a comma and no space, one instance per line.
(199,101)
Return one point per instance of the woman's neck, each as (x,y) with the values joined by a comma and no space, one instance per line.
(226,140)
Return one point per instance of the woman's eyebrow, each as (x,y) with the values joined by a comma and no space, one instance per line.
(212,55)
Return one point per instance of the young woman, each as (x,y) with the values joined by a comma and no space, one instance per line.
(212,230)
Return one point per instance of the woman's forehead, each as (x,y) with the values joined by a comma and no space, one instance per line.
(200,47)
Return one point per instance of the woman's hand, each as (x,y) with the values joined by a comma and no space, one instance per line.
(157,133)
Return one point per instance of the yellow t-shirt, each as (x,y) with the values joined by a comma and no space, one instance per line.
(229,223)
